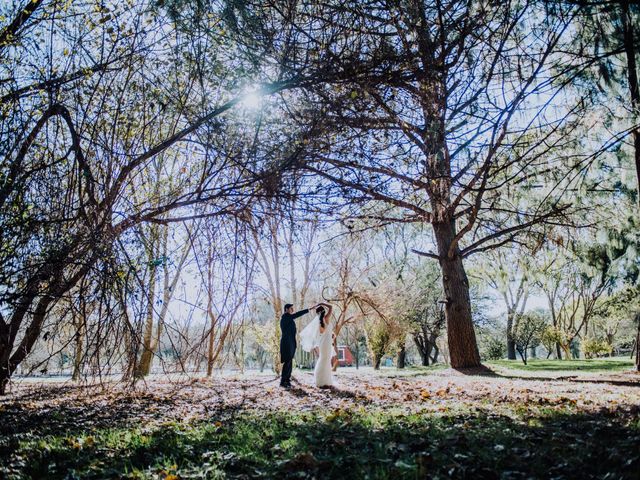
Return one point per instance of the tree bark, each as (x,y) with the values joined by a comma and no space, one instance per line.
(463,348)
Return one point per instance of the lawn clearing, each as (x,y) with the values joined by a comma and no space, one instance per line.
(440,424)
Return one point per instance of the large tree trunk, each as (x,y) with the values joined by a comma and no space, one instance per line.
(463,348)
(420,340)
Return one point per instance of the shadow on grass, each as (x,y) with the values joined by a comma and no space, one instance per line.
(616,364)
(82,412)
(345,445)
(487,371)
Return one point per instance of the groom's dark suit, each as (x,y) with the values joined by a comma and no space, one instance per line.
(288,344)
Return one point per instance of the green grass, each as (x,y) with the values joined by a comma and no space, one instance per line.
(614,364)
(528,442)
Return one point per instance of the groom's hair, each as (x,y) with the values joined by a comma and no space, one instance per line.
(287,306)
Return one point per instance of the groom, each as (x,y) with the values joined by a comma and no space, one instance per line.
(288,342)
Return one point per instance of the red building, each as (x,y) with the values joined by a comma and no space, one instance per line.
(345,358)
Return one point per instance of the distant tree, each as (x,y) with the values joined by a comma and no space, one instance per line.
(507,271)
(573,290)
(528,332)
(383,332)
(421,308)
(381,336)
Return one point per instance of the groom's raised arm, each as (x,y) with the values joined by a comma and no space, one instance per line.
(300,313)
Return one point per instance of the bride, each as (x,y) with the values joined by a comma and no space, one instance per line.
(319,333)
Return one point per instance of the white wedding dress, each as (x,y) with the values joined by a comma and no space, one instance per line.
(323,373)
(310,338)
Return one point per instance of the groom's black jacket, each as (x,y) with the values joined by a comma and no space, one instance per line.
(288,340)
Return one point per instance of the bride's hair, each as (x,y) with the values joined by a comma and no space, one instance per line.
(321,312)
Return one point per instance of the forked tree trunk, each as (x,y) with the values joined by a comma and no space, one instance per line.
(422,344)
(523,356)
(463,348)
(427,347)
(32,333)
(435,350)
(9,331)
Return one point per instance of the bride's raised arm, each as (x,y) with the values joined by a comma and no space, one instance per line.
(329,309)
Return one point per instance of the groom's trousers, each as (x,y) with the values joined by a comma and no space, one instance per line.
(285,378)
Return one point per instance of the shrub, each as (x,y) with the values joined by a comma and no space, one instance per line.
(592,347)
(552,336)
(492,347)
